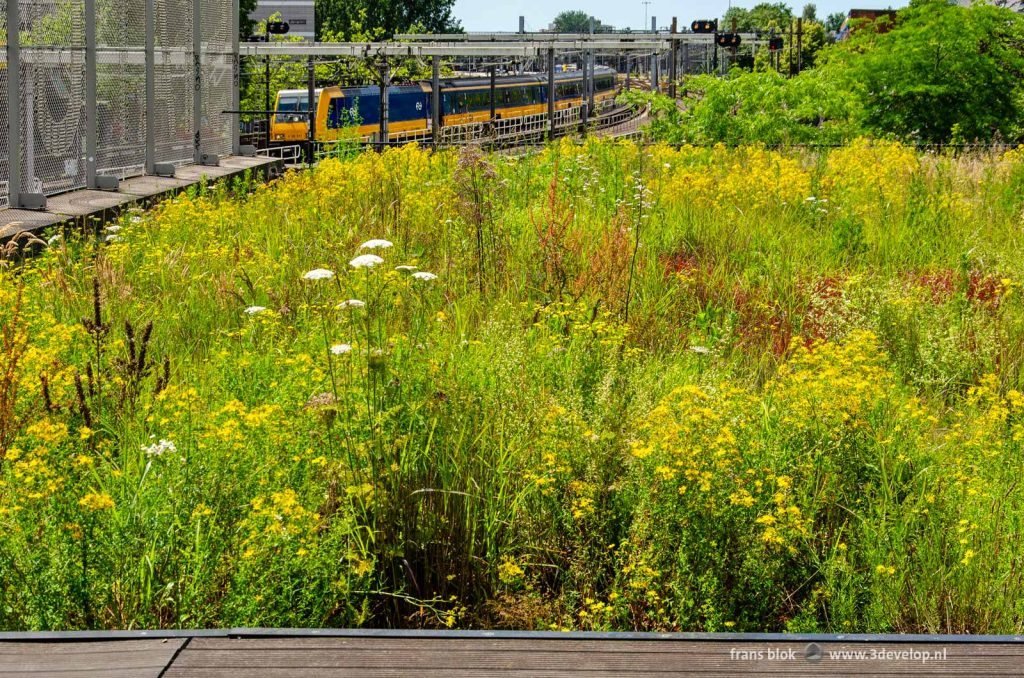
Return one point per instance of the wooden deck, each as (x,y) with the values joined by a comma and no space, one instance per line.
(372,654)
(78,208)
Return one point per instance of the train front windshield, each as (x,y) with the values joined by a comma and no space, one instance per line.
(293,108)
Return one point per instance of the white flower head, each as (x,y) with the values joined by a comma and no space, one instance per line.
(341,349)
(253,310)
(701,350)
(376,244)
(366,261)
(158,448)
(425,276)
(351,303)
(405,268)
(318,274)
(113,237)
(52,239)
(112,228)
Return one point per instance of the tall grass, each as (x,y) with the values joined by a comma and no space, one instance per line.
(697,389)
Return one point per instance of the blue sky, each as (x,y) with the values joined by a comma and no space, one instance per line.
(503,15)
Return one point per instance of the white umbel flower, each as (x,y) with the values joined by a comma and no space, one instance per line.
(318,274)
(253,310)
(425,276)
(158,448)
(341,349)
(376,244)
(351,303)
(366,261)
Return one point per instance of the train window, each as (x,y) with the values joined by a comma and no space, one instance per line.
(287,109)
(343,112)
(479,99)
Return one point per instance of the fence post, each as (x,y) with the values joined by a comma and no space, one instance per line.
(13,105)
(310,108)
(435,102)
(673,63)
(551,93)
(236,82)
(150,50)
(197,93)
(91,127)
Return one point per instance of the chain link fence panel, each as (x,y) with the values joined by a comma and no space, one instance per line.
(174,82)
(121,87)
(52,90)
(217,76)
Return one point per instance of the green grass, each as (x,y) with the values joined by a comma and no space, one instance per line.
(648,389)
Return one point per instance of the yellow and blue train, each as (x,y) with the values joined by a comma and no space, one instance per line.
(463,100)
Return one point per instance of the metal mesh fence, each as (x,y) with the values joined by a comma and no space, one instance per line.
(47,142)
(120,87)
(217,76)
(52,90)
(175,81)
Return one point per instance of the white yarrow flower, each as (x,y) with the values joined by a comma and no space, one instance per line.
(253,310)
(702,350)
(158,448)
(318,274)
(112,228)
(341,349)
(376,244)
(113,237)
(424,276)
(366,261)
(351,303)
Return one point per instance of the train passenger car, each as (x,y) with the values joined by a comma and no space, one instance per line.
(463,101)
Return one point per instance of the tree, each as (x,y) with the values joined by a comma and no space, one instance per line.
(834,22)
(943,72)
(344,19)
(810,12)
(761,17)
(245,24)
(578,21)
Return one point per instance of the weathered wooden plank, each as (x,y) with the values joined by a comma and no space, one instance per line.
(567,644)
(175,672)
(136,658)
(698,658)
(87,647)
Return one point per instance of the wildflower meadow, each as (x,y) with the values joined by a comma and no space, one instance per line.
(601,386)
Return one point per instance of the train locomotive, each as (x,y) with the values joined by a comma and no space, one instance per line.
(463,100)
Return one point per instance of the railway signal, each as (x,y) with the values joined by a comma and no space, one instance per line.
(727,39)
(774,44)
(705,26)
(277,27)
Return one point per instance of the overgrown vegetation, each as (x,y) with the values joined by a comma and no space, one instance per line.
(943,74)
(598,387)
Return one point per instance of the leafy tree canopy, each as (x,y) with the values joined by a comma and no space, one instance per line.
(578,21)
(344,19)
(761,17)
(943,72)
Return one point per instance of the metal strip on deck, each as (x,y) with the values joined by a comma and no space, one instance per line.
(340,653)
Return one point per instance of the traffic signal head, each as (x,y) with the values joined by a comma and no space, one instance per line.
(704,26)
(727,39)
(277,27)
(775,44)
